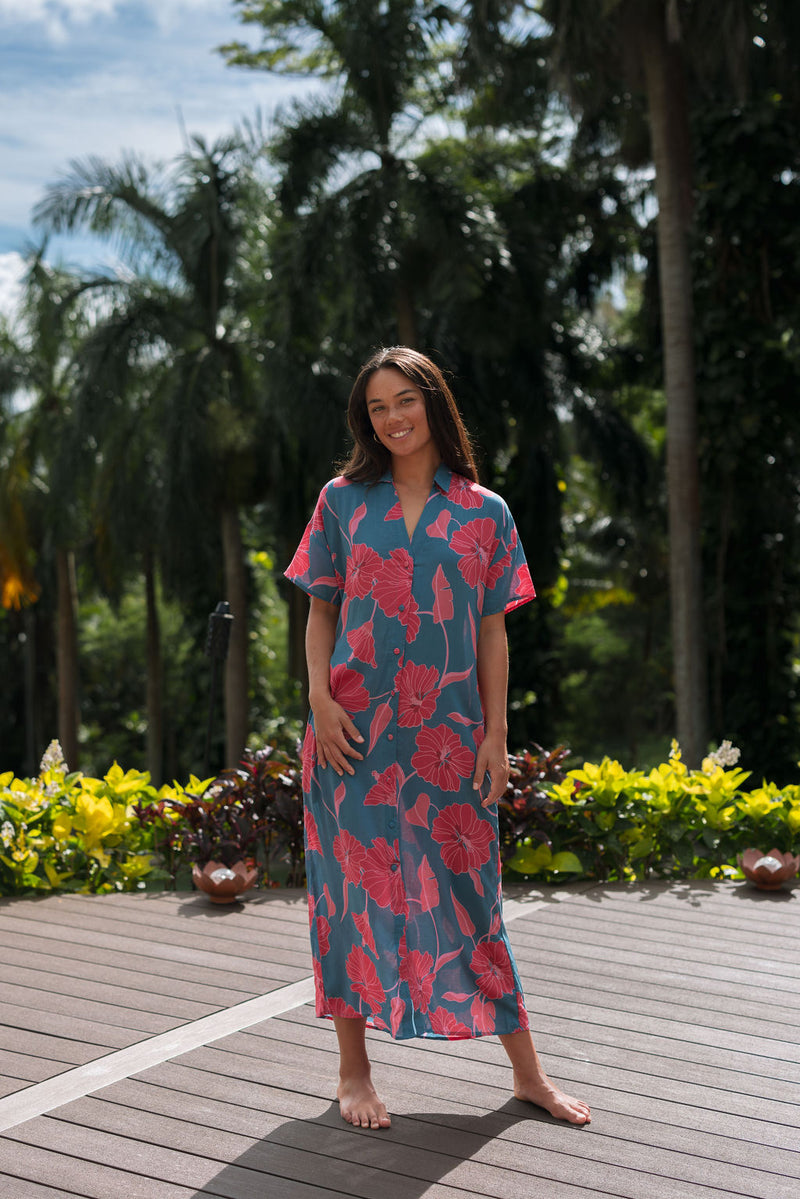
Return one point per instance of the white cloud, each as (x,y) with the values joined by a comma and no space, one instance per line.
(12,269)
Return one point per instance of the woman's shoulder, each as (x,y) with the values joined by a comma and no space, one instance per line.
(468,494)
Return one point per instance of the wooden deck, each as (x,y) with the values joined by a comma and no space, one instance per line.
(157,1047)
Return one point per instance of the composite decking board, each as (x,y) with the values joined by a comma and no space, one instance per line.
(205,959)
(671,934)
(66,1052)
(22,1188)
(736,905)
(417,1149)
(105,1036)
(69,1175)
(593,1085)
(183,937)
(145,982)
(566,969)
(709,1088)
(115,995)
(25,1068)
(169,1089)
(164,964)
(738,1072)
(103,1013)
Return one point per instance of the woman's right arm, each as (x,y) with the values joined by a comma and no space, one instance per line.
(333,728)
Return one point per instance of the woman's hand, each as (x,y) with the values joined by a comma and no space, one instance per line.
(334,731)
(492,759)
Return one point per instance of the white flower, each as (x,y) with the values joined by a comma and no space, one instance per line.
(53,759)
(726,755)
(7,833)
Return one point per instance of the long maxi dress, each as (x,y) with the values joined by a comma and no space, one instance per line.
(403,863)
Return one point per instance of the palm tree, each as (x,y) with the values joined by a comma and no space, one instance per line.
(175,313)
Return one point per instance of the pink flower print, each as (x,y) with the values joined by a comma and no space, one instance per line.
(301,560)
(466,840)
(417,970)
(338,1007)
(441,759)
(362,566)
(409,618)
(350,854)
(364,978)
(418,690)
(392,586)
(323,934)
(384,789)
(464,492)
(497,570)
(361,921)
(381,877)
(475,543)
(491,966)
(312,836)
(446,1025)
(347,688)
(362,642)
(483,1013)
(309,757)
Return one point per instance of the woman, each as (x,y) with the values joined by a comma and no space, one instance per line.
(410,566)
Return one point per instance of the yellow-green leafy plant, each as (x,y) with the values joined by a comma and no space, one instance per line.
(610,823)
(64,831)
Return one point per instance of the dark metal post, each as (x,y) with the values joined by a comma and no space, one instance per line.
(217,641)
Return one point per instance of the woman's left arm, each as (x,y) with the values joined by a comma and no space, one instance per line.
(492,756)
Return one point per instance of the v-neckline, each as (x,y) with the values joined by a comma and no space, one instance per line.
(410,533)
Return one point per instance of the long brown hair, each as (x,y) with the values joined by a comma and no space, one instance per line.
(369,458)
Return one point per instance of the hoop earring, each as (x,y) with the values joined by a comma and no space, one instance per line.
(375,437)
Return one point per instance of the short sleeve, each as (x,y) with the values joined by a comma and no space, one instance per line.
(508,579)
(313,567)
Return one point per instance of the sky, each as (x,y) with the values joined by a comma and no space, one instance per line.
(99,77)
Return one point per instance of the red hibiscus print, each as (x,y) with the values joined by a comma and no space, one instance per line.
(418,693)
(419,813)
(441,759)
(350,854)
(362,642)
(347,688)
(395,512)
(301,560)
(361,920)
(338,1007)
(381,877)
(309,757)
(428,886)
(475,543)
(446,1025)
(364,978)
(384,789)
(398,1008)
(362,566)
(392,585)
(323,934)
(522,1013)
(438,528)
(465,838)
(497,570)
(312,836)
(417,970)
(482,1013)
(442,597)
(465,493)
(409,618)
(491,966)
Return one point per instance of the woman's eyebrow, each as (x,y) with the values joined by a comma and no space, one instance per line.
(403,391)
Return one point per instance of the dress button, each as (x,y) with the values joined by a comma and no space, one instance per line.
(391,737)
(395,866)
(397,651)
(402,608)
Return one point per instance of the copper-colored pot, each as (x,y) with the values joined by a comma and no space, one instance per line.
(769,871)
(224,884)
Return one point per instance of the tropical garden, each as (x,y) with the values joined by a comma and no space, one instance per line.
(588,215)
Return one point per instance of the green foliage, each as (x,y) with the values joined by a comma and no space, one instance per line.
(253,811)
(610,823)
(70,832)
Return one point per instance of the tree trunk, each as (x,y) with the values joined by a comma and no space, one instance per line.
(236,685)
(666,96)
(67,656)
(155,725)
(406,315)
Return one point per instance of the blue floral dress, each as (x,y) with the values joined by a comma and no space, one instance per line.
(402,861)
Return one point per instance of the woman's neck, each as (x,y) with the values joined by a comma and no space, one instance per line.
(417,471)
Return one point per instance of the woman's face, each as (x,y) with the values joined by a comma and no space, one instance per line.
(396,408)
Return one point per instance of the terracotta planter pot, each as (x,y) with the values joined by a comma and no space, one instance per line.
(224,884)
(769,871)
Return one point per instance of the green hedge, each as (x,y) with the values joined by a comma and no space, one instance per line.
(64,831)
(605,822)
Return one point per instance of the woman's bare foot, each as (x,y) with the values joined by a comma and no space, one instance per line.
(542,1092)
(360,1105)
